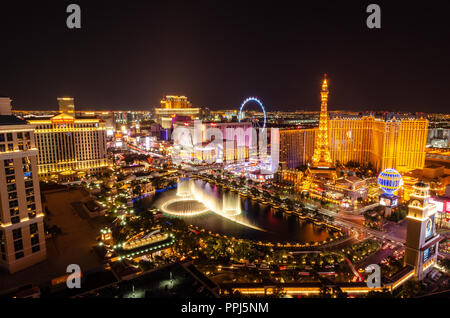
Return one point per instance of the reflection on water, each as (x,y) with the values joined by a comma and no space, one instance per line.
(240,217)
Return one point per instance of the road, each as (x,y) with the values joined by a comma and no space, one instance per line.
(351,225)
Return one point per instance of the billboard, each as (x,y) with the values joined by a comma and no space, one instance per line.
(439,204)
(389,201)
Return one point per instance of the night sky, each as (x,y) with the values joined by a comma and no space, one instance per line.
(128,54)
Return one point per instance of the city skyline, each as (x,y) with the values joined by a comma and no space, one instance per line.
(126,55)
(158,149)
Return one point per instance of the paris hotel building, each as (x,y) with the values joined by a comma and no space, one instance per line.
(68,144)
(22,239)
(397,143)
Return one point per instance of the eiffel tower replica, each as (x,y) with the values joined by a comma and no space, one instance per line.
(321,166)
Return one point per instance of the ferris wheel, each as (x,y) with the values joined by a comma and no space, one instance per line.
(255,121)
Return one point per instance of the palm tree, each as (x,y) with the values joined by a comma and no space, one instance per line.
(325,292)
(410,289)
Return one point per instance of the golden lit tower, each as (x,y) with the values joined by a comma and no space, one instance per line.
(321,166)
(321,157)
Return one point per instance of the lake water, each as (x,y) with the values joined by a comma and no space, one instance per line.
(254,221)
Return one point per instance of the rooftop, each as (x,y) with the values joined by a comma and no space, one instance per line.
(11,120)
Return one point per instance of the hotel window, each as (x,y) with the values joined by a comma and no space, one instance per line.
(2,137)
(15,219)
(18,245)
(10,147)
(34,239)
(20,145)
(27,135)
(10,179)
(9,137)
(28,176)
(13,204)
(19,135)
(17,234)
(2,148)
(12,195)
(33,228)
(19,255)
(30,200)
(35,249)
(9,171)
(2,243)
(14,211)
(8,162)
(26,164)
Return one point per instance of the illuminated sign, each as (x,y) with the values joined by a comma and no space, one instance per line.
(439,205)
(429,227)
(428,253)
(106,236)
(385,201)
(62,121)
(389,201)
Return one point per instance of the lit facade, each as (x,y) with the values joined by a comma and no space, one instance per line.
(66,105)
(395,143)
(175,102)
(214,142)
(173,106)
(22,238)
(442,204)
(69,145)
(296,146)
(363,139)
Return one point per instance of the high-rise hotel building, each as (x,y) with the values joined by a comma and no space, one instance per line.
(394,143)
(296,147)
(385,143)
(173,106)
(397,143)
(22,239)
(69,145)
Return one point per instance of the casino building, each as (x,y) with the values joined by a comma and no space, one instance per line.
(296,146)
(68,145)
(390,142)
(22,238)
(384,142)
(175,106)
(228,142)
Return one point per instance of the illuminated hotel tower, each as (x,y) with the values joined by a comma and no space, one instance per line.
(22,238)
(421,238)
(69,146)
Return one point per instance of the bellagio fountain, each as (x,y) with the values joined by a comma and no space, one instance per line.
(192,200)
